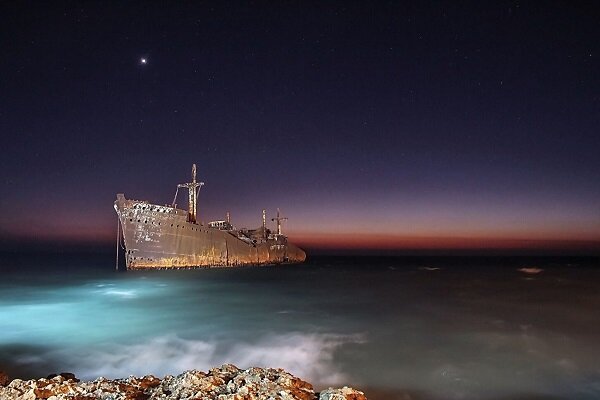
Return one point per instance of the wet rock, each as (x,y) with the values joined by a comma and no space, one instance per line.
(65,375)
(224,383)
(68,375)
(345,393)
(3,379)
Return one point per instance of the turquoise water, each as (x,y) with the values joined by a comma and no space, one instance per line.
(431,328)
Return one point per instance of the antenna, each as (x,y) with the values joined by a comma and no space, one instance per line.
(279,219)
(264,221)
(192,194)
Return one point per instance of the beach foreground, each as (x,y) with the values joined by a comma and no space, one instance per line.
(224,383)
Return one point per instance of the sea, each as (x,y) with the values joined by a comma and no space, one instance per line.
(422,328)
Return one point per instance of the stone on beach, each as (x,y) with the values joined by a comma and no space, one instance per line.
(345,393)
(3,379)
(223,383)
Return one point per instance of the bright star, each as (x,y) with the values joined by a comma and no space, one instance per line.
(143,60)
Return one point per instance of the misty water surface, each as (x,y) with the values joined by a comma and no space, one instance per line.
(431,328)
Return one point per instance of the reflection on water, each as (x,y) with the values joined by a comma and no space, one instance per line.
(425,328)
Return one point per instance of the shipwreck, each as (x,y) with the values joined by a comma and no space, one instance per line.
(163,236)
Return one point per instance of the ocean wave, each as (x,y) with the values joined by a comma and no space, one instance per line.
(530,270)
(309,356)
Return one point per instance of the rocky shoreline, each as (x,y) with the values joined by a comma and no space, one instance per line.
(223,383)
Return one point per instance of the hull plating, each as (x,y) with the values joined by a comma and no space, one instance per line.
(160,237)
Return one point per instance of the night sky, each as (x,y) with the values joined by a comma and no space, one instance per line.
(372,125)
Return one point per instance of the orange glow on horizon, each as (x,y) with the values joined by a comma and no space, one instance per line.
(349,241)
(310,240)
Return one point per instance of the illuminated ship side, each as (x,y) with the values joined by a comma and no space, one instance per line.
(156,236)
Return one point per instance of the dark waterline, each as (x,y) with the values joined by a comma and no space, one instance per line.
(432,327)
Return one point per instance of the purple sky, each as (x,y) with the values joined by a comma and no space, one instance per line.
(433,125)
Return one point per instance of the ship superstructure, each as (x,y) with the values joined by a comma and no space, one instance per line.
(156,236)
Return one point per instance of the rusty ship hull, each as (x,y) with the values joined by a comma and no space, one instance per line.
(160,237)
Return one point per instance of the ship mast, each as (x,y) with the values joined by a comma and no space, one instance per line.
(192,194)
(279,219)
